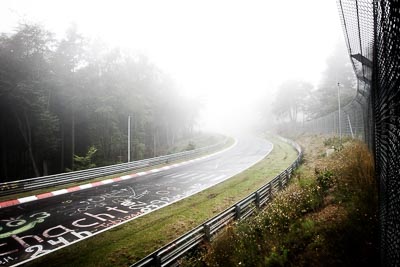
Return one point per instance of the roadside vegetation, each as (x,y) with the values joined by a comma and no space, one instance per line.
(132,241)
(327,216)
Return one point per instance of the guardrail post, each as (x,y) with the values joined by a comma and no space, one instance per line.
(207,232)
(271,193)
(288,174)
(258,200)
(238,212)
(157,259)
(280,182)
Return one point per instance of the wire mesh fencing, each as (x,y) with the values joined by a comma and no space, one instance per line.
(372,34)
(386,98)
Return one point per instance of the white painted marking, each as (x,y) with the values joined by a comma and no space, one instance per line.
(177,175)
(189,175)
(27,199)
(126,177)
(204,176)
(60,192)
(154,170)
(218,178)
(108,181)
(141,173)
(85,186)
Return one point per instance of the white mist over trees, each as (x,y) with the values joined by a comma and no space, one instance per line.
(338,70)
(291,99)
(59,98)
(295,97)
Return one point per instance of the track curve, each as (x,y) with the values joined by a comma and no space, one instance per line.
(33,229)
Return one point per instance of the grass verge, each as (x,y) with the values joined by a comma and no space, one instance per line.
(132,241)
(327,216)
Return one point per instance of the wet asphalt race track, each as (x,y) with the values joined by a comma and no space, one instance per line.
(32,229)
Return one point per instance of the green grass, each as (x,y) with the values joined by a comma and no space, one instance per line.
(201,141)
(132,241)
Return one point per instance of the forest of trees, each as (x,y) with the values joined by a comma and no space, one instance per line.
(297,97)
(60,98)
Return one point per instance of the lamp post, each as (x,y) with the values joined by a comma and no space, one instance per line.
(129,138)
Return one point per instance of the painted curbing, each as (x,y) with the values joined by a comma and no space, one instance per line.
(23,200)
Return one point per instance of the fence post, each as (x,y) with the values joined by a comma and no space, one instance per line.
(207,232)
(157,259)
(270,190)
(238,212)
(258,200)
(351,128)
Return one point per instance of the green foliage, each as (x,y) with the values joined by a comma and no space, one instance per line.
(278,258)
(190,146)
(85,162)
(324,179)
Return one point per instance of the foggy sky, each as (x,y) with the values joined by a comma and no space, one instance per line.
(231,54)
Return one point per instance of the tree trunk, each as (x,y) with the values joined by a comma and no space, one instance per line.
(29,143)
(45,168)
(4,172)
(27,136)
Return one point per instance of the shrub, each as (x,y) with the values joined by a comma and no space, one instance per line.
(190,146)
(324,179)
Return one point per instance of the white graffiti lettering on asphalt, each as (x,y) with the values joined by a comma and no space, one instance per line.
(18,241)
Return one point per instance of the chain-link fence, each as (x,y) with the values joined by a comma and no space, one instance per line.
(355,119)
(372,34)
(386,98)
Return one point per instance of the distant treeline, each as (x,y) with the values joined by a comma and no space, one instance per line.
(59,98)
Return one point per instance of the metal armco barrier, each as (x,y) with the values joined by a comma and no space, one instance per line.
(170,253)
(26,185)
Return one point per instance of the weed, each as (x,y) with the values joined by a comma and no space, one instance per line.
(336,142)
(277,258)
(324,179)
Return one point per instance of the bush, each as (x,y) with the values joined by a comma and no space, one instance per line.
(190,146)
(324,179)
